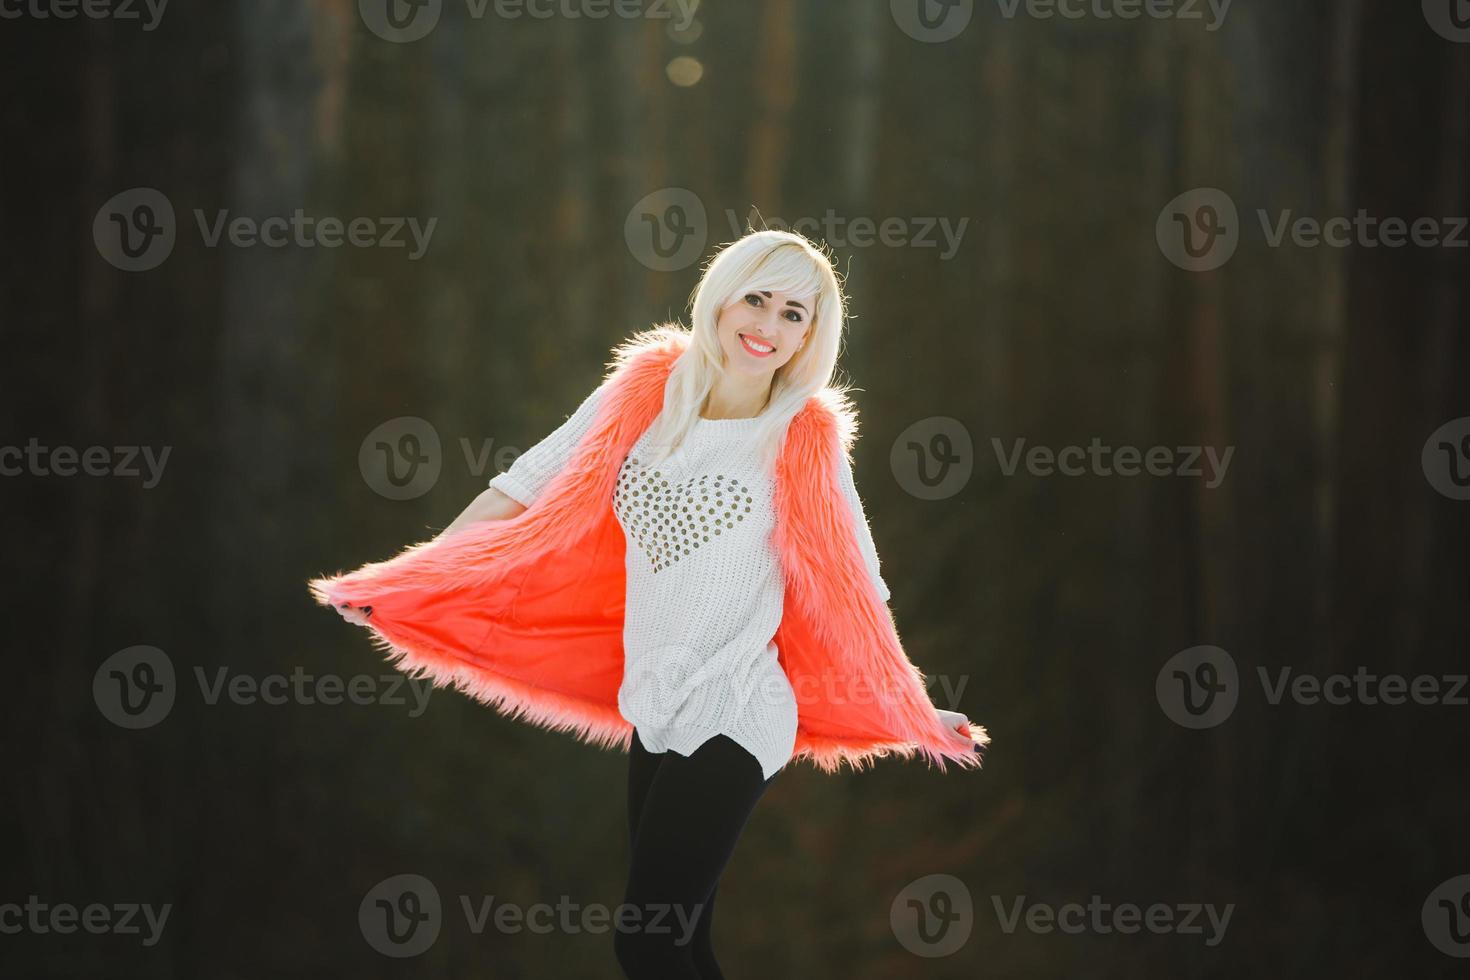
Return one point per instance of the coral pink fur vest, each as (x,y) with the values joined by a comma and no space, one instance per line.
(526,614)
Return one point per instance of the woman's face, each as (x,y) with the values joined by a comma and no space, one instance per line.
(761,331)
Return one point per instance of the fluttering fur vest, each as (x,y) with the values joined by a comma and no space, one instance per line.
(526,614)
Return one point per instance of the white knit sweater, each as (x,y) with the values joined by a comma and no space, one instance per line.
(705,587)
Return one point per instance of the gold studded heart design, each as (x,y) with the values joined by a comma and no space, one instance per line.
(670,519)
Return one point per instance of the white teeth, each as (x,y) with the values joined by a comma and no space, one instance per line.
(763,348)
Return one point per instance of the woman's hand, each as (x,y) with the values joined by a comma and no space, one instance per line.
(957,725)
(353,614)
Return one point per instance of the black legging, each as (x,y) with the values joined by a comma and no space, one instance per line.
(684,817)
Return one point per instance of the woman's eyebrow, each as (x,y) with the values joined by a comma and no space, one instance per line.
(789,302)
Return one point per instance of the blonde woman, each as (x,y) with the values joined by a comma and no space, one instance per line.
(684,569)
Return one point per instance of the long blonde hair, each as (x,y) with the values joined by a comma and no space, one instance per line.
(760,260)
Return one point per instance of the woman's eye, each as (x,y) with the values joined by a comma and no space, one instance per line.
(795,315)
(752,296)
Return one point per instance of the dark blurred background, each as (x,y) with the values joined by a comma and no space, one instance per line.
(578,169)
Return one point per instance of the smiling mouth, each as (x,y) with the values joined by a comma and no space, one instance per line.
(755,347)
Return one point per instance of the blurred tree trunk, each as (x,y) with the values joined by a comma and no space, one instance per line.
(81,628)
(1338,179)
(261,379)
(775,83)
(1445,317)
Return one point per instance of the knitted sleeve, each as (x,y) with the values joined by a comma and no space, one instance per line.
(864,533)
(537,466)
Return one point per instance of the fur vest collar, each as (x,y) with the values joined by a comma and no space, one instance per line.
(526,614)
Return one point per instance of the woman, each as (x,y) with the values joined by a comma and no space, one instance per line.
(709,501)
